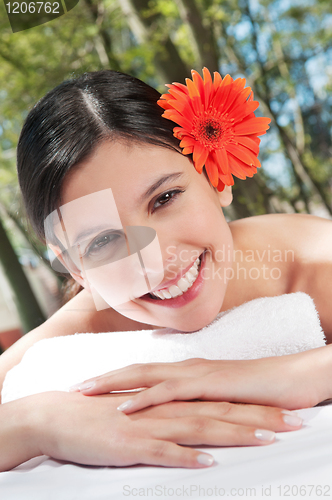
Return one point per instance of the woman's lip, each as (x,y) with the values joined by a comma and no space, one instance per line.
(174,281)
(186,297)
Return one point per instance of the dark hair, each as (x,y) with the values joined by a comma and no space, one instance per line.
(70,121)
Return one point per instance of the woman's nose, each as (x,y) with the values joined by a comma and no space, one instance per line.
(143,241)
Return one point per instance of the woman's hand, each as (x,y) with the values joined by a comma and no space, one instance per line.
(71,427)
(293,381)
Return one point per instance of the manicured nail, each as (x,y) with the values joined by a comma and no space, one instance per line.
(264,435)
(125,405)
(288,412)
(205,459)
(291,418)
(82,387)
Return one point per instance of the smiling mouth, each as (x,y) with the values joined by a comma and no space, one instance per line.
(182,286)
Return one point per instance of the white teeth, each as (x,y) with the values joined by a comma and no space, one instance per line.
(190,277)
(174,291)
(194,272)
(182,285)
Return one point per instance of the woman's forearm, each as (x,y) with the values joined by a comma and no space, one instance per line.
(319,364)
(17,436)
(293,381)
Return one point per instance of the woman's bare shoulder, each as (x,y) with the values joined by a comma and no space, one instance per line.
(309,238)
(304,233)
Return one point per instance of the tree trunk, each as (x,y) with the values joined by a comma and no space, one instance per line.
(202,37)
(103,43)
(169,64)
(28,308)
(31,241)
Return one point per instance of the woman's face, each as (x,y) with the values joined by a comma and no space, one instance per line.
(183,209)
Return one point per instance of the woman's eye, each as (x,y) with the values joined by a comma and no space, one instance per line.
(166,198)
(100,243)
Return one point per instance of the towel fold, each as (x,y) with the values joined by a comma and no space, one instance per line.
(267,326)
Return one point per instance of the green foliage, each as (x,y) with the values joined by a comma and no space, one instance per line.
(277,46)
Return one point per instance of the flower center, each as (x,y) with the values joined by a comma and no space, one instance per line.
(211,131)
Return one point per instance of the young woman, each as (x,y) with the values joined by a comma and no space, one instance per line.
(96,154)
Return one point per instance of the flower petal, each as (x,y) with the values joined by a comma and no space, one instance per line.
(192,89)
(227,179)
(179,132)
(187,141)
(198,81)
(235,96)
(222,160)
(195,98)
(188,151)
(237,165)
(199,157)
(221,185)
(241,153)
(217,81)
(242,110)
(180,86)
(212,171)
(222,93)
(248,143)
(180,120)
(175,93)
(207,87)
(252,126)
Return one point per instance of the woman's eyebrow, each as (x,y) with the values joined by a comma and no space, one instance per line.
(159,182)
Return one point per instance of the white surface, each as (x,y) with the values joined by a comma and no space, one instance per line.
(271,326)
(263,327)
(298,458)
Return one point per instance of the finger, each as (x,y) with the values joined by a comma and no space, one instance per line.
(257,416)
(266,417)
(205,431)
(164,453)
(130,377)
(172,389)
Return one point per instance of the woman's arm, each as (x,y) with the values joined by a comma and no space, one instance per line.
(78,315)
(294,381)
(17,443)
(71,427)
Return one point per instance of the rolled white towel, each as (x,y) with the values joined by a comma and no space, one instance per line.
(267,326)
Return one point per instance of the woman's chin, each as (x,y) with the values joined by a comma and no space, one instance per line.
(196,323)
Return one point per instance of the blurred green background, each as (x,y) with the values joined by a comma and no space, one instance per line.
(282,47)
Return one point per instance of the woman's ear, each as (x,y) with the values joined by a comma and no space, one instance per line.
(77,277)
(225,196)
(73,271)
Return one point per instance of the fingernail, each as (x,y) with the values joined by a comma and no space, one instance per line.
(264,435)
(291,418)
(288,412)
(82,387)
(205,459)
(125,405)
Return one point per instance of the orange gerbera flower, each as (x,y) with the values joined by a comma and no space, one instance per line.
(217,124)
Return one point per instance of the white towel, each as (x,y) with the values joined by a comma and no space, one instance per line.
(267,326)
